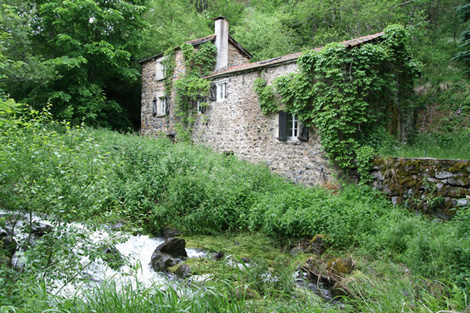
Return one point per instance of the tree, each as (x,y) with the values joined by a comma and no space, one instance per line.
(170,23)
(464,12)
(88,46)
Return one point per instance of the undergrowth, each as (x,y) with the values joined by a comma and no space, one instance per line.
(83,174)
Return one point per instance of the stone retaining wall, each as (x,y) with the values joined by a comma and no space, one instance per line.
(434,186)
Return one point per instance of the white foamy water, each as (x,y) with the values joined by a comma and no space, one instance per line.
(137,250)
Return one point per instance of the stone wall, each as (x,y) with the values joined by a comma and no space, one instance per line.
(154,125)
(433,186)
(238,126)
(234,56)
(151,124)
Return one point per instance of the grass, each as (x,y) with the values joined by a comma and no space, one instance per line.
(432,145)
(217,200)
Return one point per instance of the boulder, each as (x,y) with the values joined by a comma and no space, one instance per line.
(175,247)
(8,247)
(340,266)
(183,271)
(40,229)
(168,254)
(218,255)
(161,261)
(245,260)
(318,244)
(113,257)
(169,232)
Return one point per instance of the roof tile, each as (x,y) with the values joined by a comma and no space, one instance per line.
(290,58)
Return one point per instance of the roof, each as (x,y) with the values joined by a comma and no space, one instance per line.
(290,58)
(200,41)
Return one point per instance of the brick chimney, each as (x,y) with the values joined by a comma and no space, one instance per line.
(221,42)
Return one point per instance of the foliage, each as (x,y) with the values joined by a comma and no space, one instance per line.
(110,298)
(169,23)
(192,86)
(434,145)
(80,53)
(347,93)
(364,156)
(264,35)
(266,96)
(47,170)
(47,167)
(464,12)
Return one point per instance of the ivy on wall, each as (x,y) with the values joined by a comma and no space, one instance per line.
(266,96)
(348,93)
(192,86)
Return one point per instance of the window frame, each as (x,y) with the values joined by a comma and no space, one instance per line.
(163,103)
(221,90)
(199,108)
(160,69)
(155,106)
(291,119)
(297,131)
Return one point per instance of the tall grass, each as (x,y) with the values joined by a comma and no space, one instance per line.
(129,299)
(454,145)
(79,173)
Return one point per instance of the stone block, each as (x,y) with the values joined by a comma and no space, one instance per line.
(443,175)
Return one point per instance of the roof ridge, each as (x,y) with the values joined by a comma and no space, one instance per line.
(289,58)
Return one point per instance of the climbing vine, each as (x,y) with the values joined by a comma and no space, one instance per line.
(347,93)
(266,96)
(192,85)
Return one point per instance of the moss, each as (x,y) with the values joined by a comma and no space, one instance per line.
(459,167)
(410,182)
(456,192)
(340,266)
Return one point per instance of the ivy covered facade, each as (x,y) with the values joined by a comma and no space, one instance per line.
(231,116)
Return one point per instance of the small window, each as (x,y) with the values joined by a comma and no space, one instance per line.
(221,91)
(200,108)
(160,69)
(290,128)
(163,106)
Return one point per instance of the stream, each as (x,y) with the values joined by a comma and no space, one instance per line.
(136,250)
(90,272)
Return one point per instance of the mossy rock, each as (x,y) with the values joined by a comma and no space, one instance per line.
(410,182)
(340,266)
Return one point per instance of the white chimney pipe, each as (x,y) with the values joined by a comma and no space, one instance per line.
(221,42)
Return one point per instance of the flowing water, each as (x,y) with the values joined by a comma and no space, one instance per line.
(136,250)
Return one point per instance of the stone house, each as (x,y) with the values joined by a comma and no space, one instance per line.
(233,121)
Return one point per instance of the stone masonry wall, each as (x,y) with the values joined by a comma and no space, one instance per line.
(433,186)
(155,125)
(237,125)
(234,56)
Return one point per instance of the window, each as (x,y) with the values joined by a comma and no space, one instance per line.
(160,69)
(200,108)
(221,91)
(154,107)
(163,106)
(290,128)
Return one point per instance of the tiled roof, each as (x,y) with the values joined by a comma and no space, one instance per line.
(202,40)
(290,58)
